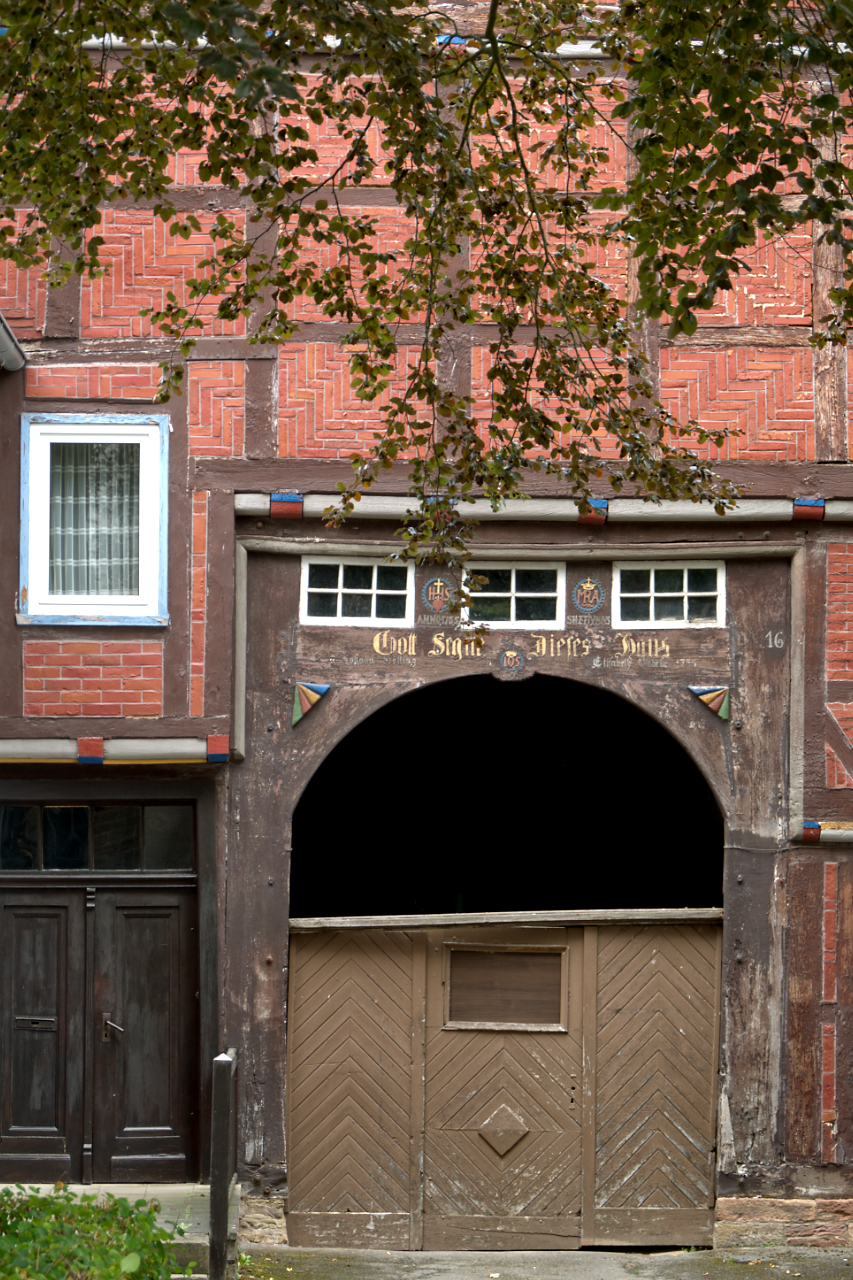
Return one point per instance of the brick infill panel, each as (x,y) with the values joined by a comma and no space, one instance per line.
(93,678)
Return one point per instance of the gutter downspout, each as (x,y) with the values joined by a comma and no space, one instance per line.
(12,355)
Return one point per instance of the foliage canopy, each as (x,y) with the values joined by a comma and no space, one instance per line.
(488,139)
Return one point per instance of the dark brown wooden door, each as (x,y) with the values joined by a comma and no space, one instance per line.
(41,1035)
(81,1099)
(146,983)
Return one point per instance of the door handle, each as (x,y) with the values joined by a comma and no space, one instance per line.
(105,1027)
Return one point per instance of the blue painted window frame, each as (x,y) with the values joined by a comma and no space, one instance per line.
(161,617)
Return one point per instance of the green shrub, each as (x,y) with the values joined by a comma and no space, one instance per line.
(57,1237)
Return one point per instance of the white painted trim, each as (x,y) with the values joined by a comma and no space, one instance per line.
(543,624)
(838,509)
(654,915)
(408,620)
(116,750)
(624,509)
(669,624)
(251,504)
(36,604)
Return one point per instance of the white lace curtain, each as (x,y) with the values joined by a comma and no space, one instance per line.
(94,519)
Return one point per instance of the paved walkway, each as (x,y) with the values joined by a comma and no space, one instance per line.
(283,1263)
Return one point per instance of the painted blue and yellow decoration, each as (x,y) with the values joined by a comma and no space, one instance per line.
(716,698)
(306,696)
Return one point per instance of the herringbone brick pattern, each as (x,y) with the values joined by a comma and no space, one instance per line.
(93,381)
(836,775)
(23,295)
(320,415)
(775,286)
(393,229)
(147,263)
(839,611)
(216,407)
(764,394)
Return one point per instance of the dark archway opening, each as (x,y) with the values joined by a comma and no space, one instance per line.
(481,795)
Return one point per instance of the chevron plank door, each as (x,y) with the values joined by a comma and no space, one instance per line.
(502,1141)
(349,1088)
(655,1084)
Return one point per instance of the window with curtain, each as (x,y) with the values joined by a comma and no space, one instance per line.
(94,519)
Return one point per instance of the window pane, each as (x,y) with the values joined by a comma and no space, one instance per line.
(669,579)
(509,986)
(535,609)
(701,607)
(528,580)
(634,580)
(489,610)
(496,579)
(116,835)
(701,579)
(323,575)
(168,837)
(358,577)
(94,519)
(65,839)
(391,578)
(668,607)
(635,609)
(355,606)
(322,605)
(390,606)
(19,837)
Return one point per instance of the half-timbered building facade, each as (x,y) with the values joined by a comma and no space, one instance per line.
(541,944)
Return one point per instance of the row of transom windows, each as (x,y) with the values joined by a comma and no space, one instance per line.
(362,592)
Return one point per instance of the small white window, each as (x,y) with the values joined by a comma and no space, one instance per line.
(356,593)
(669,594)
(525,597)
(94,519)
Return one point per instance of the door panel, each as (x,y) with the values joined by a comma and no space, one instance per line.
(145,982)
(656,1083)
(349,1089)
(502,1141)
(41,1041)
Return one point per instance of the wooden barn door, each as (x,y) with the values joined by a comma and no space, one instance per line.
(503,1087)
(502,1139)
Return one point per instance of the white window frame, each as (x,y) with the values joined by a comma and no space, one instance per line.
(556,624)
(667,624)
(35,603)
(408,620)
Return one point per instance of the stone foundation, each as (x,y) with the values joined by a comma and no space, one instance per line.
(743,1222)
(261,1221)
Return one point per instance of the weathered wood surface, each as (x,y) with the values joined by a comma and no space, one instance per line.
(316,475)
(623,1131)
(804,966)
(659,915)
(752,335)
(350,1086)
(656,1077)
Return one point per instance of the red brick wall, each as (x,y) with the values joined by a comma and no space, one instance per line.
(839,611)
(93,678)
(93,381)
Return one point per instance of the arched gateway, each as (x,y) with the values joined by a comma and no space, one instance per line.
(504,977)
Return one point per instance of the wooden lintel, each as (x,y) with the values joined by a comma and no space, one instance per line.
(653,915)
(730,335)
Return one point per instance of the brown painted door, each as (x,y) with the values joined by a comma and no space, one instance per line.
(82,1100)
(497,1087)
(146,982)
(502,1139)
(41,1035)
